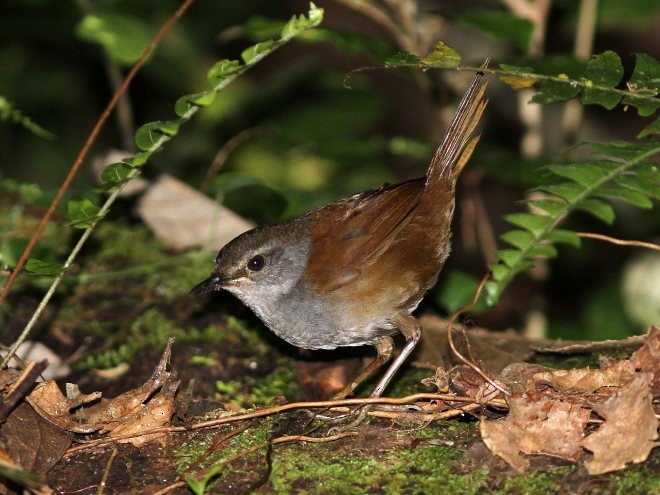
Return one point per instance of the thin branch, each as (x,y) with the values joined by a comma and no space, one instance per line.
(106,471)
(340,405)
(224,152)
(456,352)
(619,242)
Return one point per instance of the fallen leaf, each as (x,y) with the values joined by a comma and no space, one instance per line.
(586,379)
(647,358)
(33,443)
(49,402)
(629,431)
(184,218)
(152,415)
(536,426)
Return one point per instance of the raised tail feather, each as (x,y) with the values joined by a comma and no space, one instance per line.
(458,142)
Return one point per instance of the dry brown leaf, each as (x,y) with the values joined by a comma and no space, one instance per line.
(150,416)
(33,443)
(184,218)
(53,406)
(586,379)
(629,431)
(647,358)
(543,426)
(133,411)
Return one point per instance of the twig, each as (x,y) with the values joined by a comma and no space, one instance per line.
(428,417)
(260,413)
(224,152)
(88,144)
(460,356)
(619,242)
(106,471)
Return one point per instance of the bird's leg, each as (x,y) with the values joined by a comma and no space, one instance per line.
(384,348)
(411,330)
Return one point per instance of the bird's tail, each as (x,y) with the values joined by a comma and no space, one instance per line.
(459,140)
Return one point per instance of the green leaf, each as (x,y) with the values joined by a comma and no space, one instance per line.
(517,69)
(551,91)
(562,236)
(534,223)
(597,208)
(629,195)
(521,239)
(568,191)
(188,102)
(650,130)
(542,251)
(43,268)
(510,257)
(123,37)
(645,80)
(116,174)
(602,70)
(552,206)
(198,487)
(256,52)
(442,56)
(82,214)
(297,25)
(499,271)
(149,137)
(624,150)
(223,71)
(140,159)
(518,77)
(501,25)
(585,174)
(403,58)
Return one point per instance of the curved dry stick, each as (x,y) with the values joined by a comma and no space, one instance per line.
(619,242)
(88,144)
(460,356)
(260,413)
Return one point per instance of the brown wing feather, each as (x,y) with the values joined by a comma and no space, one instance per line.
(364,226)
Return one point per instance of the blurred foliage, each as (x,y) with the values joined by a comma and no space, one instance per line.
(322,136)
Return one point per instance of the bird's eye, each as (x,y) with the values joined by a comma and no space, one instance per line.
(256,263)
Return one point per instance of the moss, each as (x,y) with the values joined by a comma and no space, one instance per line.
(150,329)
(256,391)
(636,479)
(327,469)
(537,482)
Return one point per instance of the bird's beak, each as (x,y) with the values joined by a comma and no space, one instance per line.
(208,285)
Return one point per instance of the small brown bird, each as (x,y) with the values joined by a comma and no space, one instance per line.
(351,272)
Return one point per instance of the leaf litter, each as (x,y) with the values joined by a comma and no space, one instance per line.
(602,418)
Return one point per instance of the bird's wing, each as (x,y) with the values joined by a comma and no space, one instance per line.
(349,235)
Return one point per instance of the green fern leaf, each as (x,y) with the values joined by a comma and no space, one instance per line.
(625,173)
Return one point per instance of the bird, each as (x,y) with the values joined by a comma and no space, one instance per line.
(351,272)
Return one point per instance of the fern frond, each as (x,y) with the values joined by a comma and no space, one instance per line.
(625,172)
(596,83)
